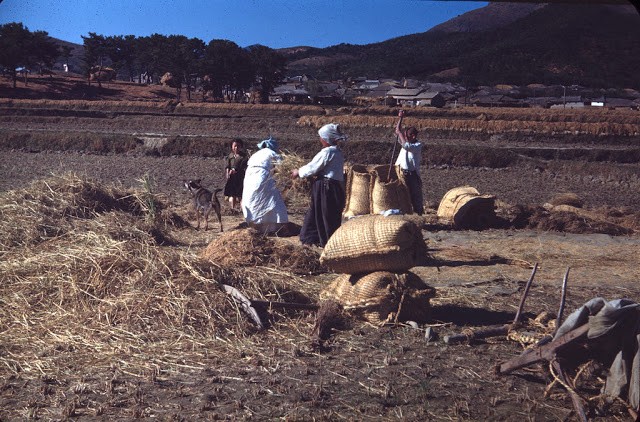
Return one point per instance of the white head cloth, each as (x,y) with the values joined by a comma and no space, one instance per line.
(332,133)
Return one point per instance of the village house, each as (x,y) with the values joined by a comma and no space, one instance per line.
(413,97)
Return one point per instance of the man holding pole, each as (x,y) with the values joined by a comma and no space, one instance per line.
(409,162)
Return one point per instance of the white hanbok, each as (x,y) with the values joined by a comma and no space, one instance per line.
(262,202)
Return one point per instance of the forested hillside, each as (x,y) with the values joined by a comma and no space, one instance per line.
(591,45)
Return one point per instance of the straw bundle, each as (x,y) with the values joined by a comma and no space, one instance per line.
(382,296)
(466,208)
(374,243)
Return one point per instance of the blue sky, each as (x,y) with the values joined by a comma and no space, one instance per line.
(274,23)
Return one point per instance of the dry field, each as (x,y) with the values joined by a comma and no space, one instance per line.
(109,310)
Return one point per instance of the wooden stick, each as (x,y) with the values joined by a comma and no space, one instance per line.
(563,298)
(495,331)
(545,352)
(575,398)
(244,303)
(401,114)
(499,330)
(289,305)
(516,319)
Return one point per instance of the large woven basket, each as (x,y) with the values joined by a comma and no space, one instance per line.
(374,243)
(358,190)
(382,296)
(389,191)
(466,208)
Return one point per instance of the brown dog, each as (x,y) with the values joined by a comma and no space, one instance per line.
(204,201)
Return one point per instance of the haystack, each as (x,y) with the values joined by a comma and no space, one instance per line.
(250,248)
(466,208)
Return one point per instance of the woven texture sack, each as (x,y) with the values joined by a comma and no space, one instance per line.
(389,191)
(374,243)
(466,208)
(382,296)
(358,191)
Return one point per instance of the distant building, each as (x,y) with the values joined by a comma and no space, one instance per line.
(416,97)
(495,100)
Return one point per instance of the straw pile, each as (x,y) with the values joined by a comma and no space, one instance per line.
(248,247)
(526,124)
(88,276)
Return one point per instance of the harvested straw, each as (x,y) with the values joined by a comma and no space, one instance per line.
(91,279)
(248,247)
(295,191)
(567,198)
(328,317)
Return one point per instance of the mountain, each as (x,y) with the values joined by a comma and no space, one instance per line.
(584,44)
(492,16)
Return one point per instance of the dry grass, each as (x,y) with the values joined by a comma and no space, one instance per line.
(89,275)
(521,125)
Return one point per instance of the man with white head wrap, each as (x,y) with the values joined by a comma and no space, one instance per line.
(262,204)
(327,192)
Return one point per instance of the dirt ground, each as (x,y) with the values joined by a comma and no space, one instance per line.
(365,372)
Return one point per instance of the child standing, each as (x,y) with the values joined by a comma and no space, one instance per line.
(235,171)
(327,192)
(409,162)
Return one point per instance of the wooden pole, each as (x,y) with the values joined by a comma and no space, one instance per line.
(516,319)
(563,298)
(401,114)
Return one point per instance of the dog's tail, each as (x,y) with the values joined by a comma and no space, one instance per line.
(215,192)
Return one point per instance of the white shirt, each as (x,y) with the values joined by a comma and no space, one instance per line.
(409,157)
(328,163)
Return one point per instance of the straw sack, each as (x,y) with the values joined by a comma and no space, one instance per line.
(389,191)
(358,191)
(466,208)
(374,243)
(382,296)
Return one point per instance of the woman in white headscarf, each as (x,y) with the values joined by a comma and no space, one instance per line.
(262,204)
(327,192)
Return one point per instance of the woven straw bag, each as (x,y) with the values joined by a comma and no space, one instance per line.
(465,207)
(374,243)
(389,191)
(358,193)
(382,296)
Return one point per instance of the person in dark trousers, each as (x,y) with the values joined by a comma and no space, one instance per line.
(235,170)
(327,192)
(409,162)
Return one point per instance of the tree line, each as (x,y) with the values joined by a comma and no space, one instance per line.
(220,65)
